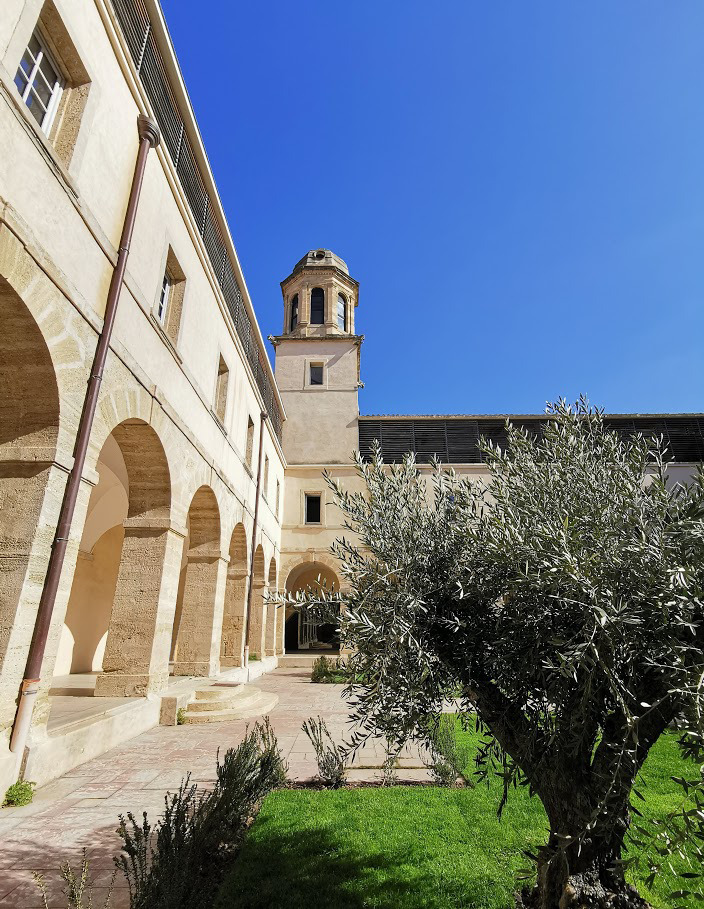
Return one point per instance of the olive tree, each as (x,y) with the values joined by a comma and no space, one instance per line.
(562,598)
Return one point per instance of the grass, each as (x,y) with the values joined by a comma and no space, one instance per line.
(408,847)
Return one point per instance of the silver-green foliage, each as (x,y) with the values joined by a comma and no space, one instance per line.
(78,888)
(328,754)
(562,598)
(177,862)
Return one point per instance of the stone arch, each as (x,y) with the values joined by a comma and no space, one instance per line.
(272,634)
(300,632)
(31,483)
(197,650)
(127,548)
(232,643)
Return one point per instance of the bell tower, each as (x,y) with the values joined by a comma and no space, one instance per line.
(317,361)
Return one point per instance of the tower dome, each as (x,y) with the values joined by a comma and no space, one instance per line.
(321,258)
(319,296)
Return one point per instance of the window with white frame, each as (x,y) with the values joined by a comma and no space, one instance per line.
(39,81)
(164,296)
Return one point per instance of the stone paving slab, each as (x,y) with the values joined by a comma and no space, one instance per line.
(81,808)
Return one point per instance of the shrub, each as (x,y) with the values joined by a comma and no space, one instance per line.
(448,761)
(181,716)
(79,888)
(19,793)
(329,756)
(177,862)
(563,598)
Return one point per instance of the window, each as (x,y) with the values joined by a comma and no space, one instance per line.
(164,299)
(54,83)
(250,441)
(170,301)
(341,313)
(265,488)
(278,498)
(317,306)
(316,373)
(294,312)
(312,509)
(39,82)
(223,378)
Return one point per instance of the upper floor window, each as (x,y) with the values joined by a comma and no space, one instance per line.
(163,304)
(278,498)
(294,312)
(39,82)
(317,306)
(316,373)
(341,313)
(313,510)
(265,489)
(250,441)
(169,303)
(221,384)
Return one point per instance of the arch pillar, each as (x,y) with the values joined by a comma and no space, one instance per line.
(200,629)
(281,631)
(136,660)
(232,645)
(19,634)
(272,628)
(257,622)
(271,618)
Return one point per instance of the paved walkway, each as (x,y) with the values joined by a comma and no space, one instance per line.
(81,808)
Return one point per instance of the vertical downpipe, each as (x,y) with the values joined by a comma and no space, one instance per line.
(247,623)
(149,138)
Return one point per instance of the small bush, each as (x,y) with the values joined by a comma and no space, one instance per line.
(254,658)
(181,716)
(448,760)
(328,754)
(329,671)
(177,863)
(19,793)
(79,888)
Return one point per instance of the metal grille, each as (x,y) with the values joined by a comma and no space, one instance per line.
(136,27)
(456,441)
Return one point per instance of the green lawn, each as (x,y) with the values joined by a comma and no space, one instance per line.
(405,847)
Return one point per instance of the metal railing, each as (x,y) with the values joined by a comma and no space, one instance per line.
(136,26)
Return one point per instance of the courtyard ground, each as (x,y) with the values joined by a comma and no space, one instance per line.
(80,809)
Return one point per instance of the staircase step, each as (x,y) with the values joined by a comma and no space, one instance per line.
(234,700)
(252,702)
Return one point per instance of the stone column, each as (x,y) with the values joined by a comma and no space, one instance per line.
(232,646)
(30,499)
(200,629)
(281,631)
(257,622)
(271,633)
(136,660)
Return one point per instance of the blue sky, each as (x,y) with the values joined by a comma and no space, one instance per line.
(517,186)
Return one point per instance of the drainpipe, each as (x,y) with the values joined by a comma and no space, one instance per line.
(149,137)
(263,417)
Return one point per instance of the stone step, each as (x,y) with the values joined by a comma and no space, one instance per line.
(249,703)
(240,700)
(305,660)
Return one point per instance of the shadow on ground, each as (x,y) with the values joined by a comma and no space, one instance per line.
(317,870)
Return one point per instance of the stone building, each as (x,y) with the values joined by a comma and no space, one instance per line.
(202,487)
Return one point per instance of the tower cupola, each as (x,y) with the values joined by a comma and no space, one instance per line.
(320,297)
